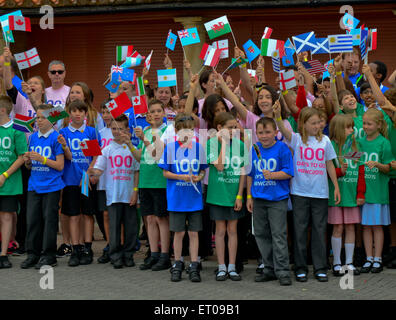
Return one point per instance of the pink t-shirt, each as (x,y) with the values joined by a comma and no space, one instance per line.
(22,106)
(56,97)
(201,102)
(250,123)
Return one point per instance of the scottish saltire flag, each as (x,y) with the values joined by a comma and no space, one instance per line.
(127,75)
(322,46)
(305,42)
(85,184)
(167,78)
(171,40)
(340,43)
(23,123)
(287,60)
(251,50)
(355,36)
(350,21)
(218,27)
(188,36)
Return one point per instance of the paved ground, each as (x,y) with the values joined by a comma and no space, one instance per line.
(98,281)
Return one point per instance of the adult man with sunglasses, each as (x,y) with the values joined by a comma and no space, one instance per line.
(58,92)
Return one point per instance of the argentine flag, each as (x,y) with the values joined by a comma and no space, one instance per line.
(167,78)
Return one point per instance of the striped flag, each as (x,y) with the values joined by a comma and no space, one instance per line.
(268,46)
(355,36)
(131,62)
(23,123)
(147,62)
(364,45)
(140,86)
(218,27)
(213,57)
(267,33)
(205,51)
(372,39)
(313,67)
(276,61)
(340,43)
(123,52)
(85,184)
(167,78)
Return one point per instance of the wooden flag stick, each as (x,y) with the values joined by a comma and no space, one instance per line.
(233,37)
(203,66)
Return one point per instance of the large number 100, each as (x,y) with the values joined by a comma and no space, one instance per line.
(309,154)
(119,161)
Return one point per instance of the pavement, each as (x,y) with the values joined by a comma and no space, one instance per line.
(103,282)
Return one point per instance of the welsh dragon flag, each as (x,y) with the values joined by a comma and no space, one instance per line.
(55,114)
(218,27)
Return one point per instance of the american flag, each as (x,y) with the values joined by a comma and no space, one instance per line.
(313,67)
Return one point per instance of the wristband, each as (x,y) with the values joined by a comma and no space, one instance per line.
(45,160)
(285,92)
(5,174)
(145,82)
(64,147)
(279,119)
(135,189)
(249,196)
(333,80)
(242,65)
(7,63)
(338,73)
(239,197)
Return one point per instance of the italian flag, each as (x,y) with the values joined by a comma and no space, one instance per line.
(268,46)
(55,114)
(140,86)
(123,52)
(218,27)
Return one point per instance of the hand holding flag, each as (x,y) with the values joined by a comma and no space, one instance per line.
(90,148)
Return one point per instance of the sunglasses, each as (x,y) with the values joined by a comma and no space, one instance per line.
(57,71)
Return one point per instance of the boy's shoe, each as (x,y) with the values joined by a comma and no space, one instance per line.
(176,271)
(29,262)
(86,257)
(265,277)
(4,262)
(74,260)
(260,268)
(162,264)
(148,263)
(285,281)
(46,261)
(129,262)
(104,258)
(64,250)
(12,247)
(118,264)
(199,267)
(194,272)
(19,252)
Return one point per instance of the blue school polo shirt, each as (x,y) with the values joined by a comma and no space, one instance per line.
(276,158)
(181,195)
(44,179)
(72,173)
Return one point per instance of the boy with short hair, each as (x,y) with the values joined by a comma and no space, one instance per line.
(12,147)
(46,161)
(73,202)
(121,178)
(184,163)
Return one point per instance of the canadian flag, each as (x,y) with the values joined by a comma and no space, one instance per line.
(139,104)
(119,105)
(90,148)
(19,23)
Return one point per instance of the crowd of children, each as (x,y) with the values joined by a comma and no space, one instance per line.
(192,167)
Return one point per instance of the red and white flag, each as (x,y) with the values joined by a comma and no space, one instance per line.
(147,63)
(19,23)
(267,33)
(90,148)
(373,39)
(119,105)
(139,104)
(213,57)
(27,59)
(223,46)
(205,51)
(136,54)
(287,80)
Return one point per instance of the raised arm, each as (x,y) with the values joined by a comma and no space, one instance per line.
(333,89)
(194,83)
(377,93)
(245,78)
(278,118)
(338,70)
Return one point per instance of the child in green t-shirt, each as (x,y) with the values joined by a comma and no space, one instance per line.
(12,147)
(225,154)
(346,214)
(375,212)
(152,188)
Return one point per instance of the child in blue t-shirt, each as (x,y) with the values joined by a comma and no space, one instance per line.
(46,161)
(268,183)
(73,202)
(184,164)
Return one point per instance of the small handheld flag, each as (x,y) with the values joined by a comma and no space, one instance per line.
(85,184)
(267,33)
(218,27)
(237,62)
(353,155)
(131,62)
(27,59)
(276,62)
(55,114)
(268,46)
(167,78)
(305,42)
(287,80)
(313,67)
(140,91)
(322,46)
(113,85)
(372,39)
(213,57)
(139,104)
(350,22)
(188,36)
(222,45)
(119,105)
(355,36)
(340,43)
(205,51)
(128,75)
(19,23)
(90,148)
(251,50)
(147,63)
(123,52)
(171,40)
(23,123)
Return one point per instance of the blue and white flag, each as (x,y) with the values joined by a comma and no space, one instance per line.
(276,64)
(288,60)
(171,40)
(350,21)
(188,36)
(251,50)
(85,184)
(364,45)
(340,43)
(128,74)
(356,37)
(167,78)
(305,42)
(322,46)
(113,85)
